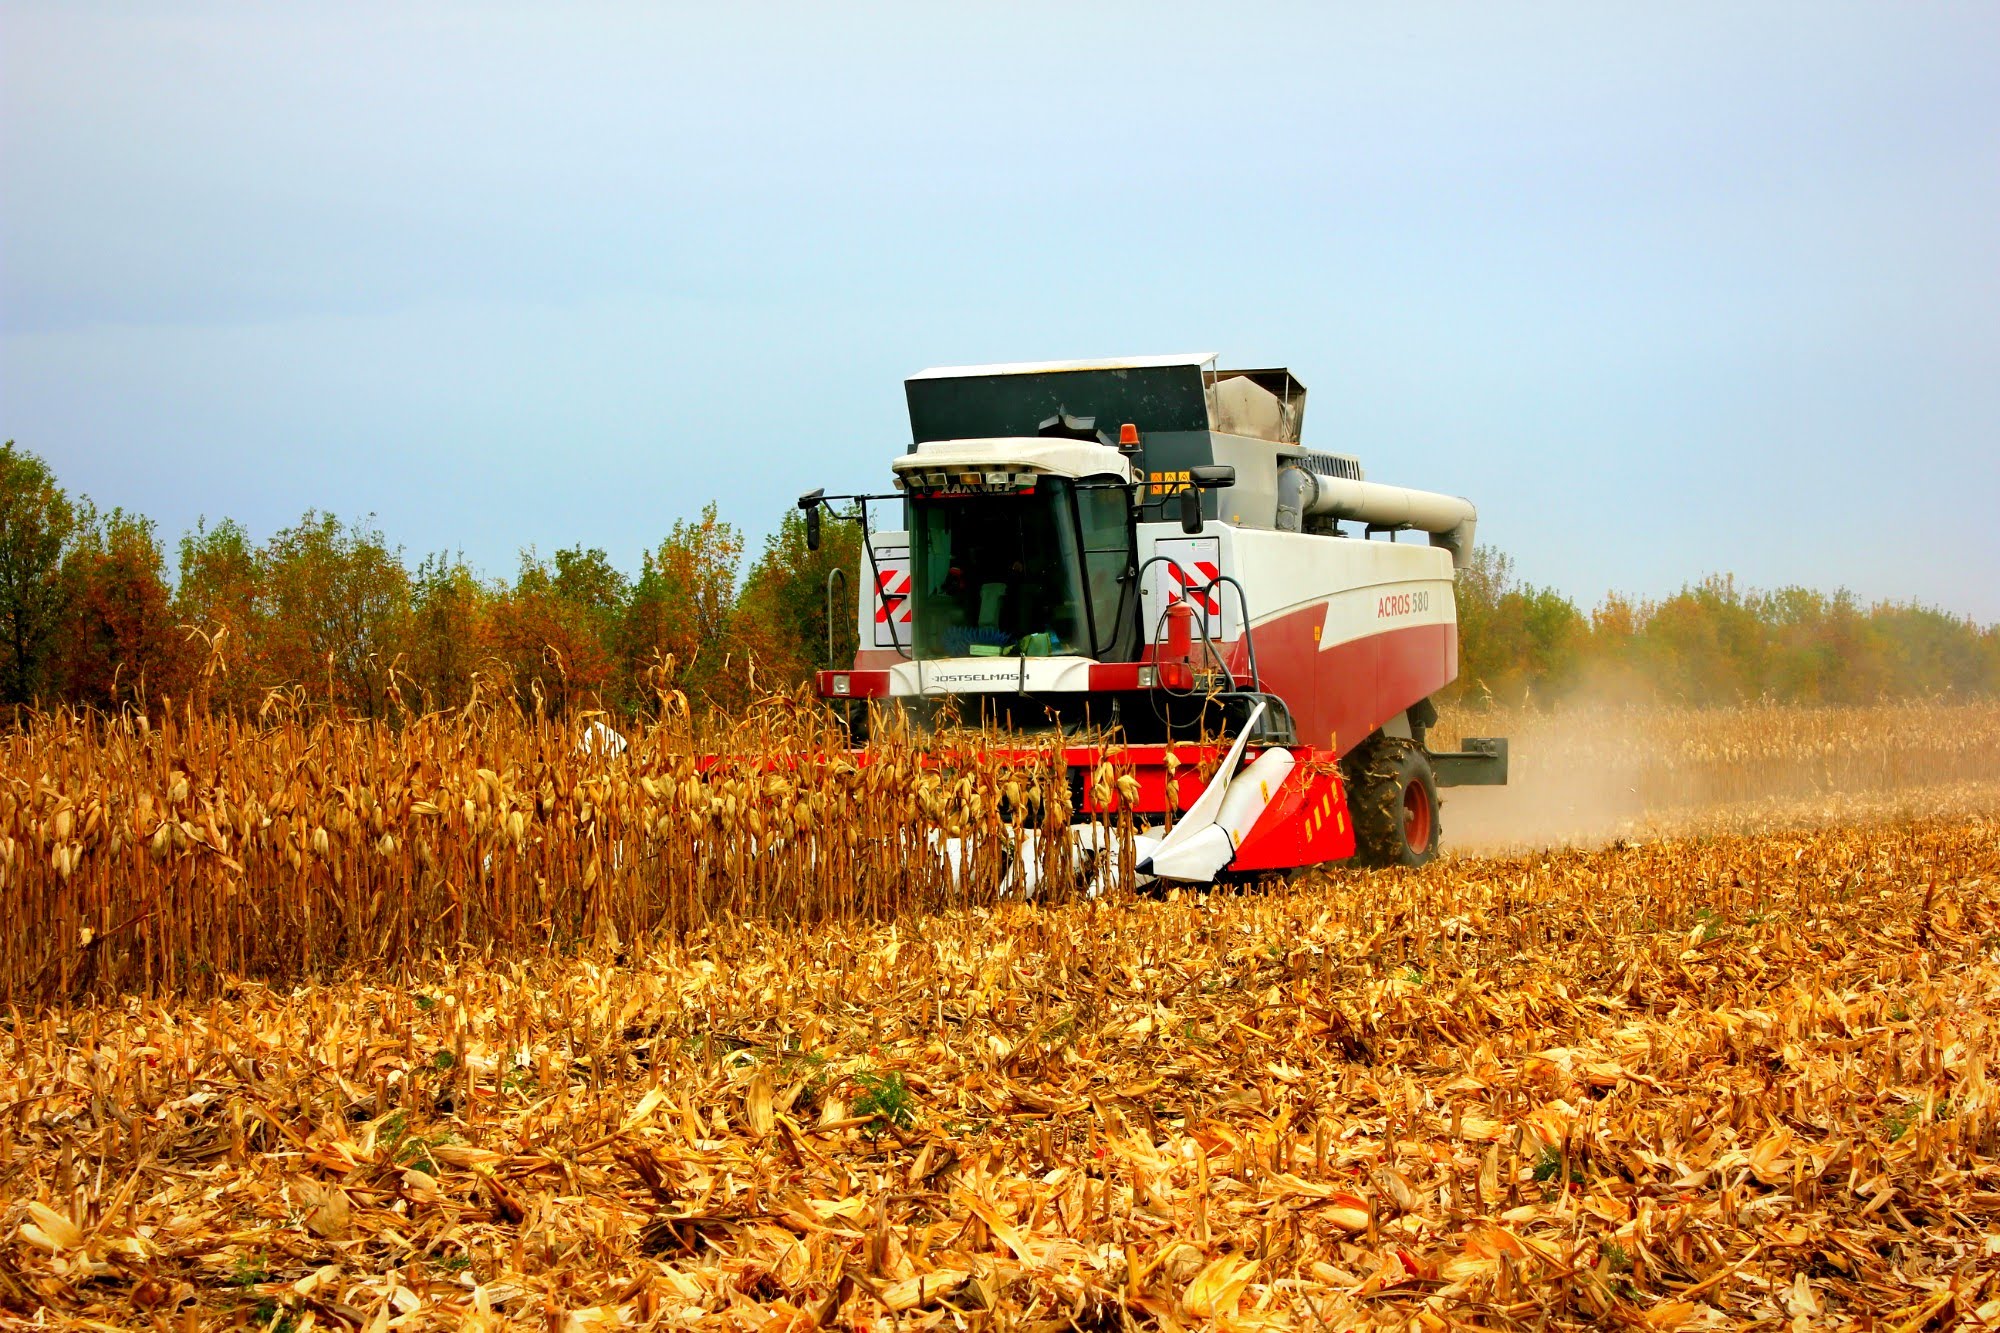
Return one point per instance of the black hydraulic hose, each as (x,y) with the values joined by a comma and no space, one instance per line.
(1209,650)
(1249,639)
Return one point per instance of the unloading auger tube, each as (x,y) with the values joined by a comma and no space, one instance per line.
(1449,519)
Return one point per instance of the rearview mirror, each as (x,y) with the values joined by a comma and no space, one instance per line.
(1190,510)
(1213,477)
(810,504)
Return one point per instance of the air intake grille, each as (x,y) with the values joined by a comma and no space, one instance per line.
(1332,465)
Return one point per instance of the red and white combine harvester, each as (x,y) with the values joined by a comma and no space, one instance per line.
(1143,550)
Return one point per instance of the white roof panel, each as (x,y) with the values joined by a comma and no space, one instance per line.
(1046,367)
(1066,458)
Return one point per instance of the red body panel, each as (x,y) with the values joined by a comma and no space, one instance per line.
(1339,695)
(1306,824)
(1192,763)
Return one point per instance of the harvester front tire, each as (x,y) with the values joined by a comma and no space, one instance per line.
(1393,798)
(853,716)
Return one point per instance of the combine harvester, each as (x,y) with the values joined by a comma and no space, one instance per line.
(1143,550)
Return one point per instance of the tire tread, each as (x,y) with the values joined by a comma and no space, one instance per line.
(1377,773)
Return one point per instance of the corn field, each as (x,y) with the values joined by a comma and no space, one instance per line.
(170,857)
(166,857)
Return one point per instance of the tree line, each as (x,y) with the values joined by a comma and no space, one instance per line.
(327,612)
(1710,644)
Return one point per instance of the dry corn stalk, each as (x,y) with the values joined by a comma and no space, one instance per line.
(168,857)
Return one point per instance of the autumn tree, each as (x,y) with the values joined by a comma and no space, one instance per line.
(1704,645)
(450,614)
(1937,653)
(335,602)
(216,606)
(119,643)
(555,630)
(37,523)
(782,614)
(1517,642)
(682,607)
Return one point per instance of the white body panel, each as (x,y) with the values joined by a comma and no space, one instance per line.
(1186,566)
(990,675)
(1060,458)
(1307,595)
(1251,790)
(1367,587)
(1205,852)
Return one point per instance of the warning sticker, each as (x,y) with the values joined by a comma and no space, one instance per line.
(1187,571)
(890,607)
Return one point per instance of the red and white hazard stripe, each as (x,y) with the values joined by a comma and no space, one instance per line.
(892,596)
(1198,586)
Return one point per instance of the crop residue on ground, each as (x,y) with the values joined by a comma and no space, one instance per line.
(1703,1083)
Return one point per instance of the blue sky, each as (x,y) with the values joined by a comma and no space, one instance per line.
(1666,291)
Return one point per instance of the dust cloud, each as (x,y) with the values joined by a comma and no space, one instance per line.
(1592,776)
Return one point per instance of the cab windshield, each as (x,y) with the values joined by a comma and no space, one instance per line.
(1032,574)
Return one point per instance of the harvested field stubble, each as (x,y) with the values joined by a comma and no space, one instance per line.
(1687,1084)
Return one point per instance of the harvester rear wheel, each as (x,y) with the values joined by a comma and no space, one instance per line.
(1393,798)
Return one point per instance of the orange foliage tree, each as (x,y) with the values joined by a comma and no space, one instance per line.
(450,632)
(552,631)
(215,605)
(335,603)
(119,644)
(1711,644)
(782,614)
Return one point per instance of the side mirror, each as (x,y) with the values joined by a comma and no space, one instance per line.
(1190,510)
(1213,477)
(810,504)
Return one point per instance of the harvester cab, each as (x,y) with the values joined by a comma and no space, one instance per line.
(1142,555)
